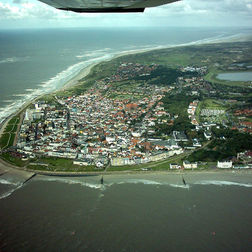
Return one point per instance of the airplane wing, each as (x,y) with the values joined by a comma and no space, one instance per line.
(104,6)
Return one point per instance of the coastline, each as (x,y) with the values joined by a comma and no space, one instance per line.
(83,73)
(75,81)
(8,167)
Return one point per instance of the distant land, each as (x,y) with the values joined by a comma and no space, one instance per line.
(161,110)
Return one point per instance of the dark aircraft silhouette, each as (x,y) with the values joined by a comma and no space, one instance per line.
(104,6)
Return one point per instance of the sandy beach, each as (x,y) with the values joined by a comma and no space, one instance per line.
(85,71)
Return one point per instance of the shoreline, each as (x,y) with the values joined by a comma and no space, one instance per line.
(6,167)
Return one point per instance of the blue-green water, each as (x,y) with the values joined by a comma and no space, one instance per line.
(239,76)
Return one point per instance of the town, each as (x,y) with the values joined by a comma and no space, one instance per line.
(105,127)
(127,119)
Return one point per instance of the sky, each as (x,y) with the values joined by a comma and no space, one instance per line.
(17,14)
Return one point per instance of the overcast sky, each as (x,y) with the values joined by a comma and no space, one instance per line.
(32,14)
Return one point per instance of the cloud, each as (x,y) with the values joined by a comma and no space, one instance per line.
(185,12)
(22,10)
(209,6)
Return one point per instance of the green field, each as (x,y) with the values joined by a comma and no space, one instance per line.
(59,164)
(7,138)
(13,160)
(212,104)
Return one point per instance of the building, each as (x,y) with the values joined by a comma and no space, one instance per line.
(188,165)
(207,135)
(174,166)
(179,136)
(225,164)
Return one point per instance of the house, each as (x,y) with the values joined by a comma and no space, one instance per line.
(207,135)
(158,156)
(188,165)
(196,143)
(83,162)
(174,166)
(225,164)
(179,136)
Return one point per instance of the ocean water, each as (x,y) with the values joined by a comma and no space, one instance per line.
(153,212)
(33,62)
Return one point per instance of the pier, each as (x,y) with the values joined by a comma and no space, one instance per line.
(29,178)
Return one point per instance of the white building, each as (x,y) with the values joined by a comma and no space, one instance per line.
(174,166)
(188,165)
(225,164)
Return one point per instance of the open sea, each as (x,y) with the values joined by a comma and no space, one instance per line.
(140,212)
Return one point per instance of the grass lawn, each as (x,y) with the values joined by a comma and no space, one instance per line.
(8,136)
(212,104)
(61,164)
(13,160)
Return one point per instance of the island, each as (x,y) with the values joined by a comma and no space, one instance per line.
(160,110)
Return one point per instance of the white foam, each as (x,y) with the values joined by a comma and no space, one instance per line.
(180,186)
(73,182)
(6,182)
(8,101)
(7,194)
(13,59)
(30,89)
(221,183)
(139,181)
(19,95)
(93,54)
(9,60)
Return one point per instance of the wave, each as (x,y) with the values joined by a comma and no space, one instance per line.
(139,181)
(73,182)
(7,182)
(222,183)
(8,193)
(13,60)
(16,185)
(8,101)
(19,95)
(9,60)
(94,53)
(180,186)
(30,90)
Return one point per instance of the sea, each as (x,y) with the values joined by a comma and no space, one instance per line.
(129,212)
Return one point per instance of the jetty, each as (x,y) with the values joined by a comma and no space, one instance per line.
(29,178)
(183,180)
